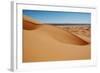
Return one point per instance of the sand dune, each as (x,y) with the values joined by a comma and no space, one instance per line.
(29,23)
(49,43)
(82,32)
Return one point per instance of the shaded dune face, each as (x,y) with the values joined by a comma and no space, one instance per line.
(56,33)
(27,25)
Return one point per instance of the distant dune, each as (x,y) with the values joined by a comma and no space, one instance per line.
(50,43)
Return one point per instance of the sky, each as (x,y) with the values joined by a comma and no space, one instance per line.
(59,17)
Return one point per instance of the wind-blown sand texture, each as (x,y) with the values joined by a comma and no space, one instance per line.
(43,42)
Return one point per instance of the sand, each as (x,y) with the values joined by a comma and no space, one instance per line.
(50,43)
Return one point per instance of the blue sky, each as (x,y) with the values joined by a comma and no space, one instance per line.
(58,17)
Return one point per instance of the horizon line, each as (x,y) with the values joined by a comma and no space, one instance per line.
(68,23)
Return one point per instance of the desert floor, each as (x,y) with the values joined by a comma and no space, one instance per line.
(55,43)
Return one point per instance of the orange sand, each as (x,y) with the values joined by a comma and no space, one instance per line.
(50,43)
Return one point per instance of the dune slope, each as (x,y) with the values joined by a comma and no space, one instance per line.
(46,42)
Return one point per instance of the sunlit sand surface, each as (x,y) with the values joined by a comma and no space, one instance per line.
(43,42)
